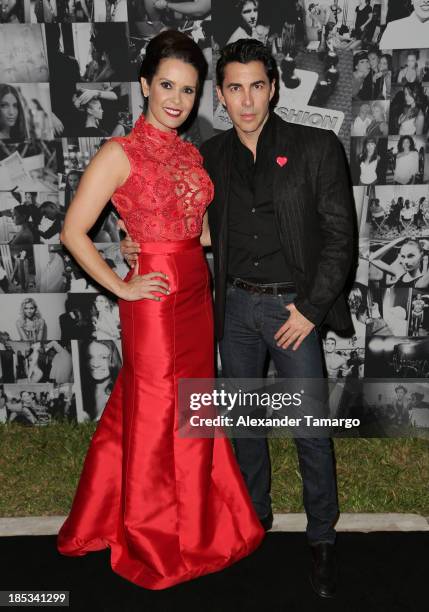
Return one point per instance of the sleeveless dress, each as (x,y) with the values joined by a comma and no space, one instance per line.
(169,507)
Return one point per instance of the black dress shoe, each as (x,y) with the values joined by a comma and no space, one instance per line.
(267,521)
(323,575)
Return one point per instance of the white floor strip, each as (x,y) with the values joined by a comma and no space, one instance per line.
(49,525)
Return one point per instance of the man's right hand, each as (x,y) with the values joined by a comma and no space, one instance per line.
(129,249)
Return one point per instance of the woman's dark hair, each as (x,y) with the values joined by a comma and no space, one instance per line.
(19,130)
(173,44)
(417,93)
(357,57)
(388,59)
(245,51)
(239,7)
(21,213)
(401,143)
(364,153)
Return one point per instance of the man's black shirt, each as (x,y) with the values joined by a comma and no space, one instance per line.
(254,249)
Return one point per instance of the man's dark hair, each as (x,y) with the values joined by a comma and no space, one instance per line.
(244,51)
(173,44)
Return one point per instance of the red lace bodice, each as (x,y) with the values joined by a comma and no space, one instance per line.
(167,190)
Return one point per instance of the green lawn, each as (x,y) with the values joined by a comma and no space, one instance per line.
(40,467)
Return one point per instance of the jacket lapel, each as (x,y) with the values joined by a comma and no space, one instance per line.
(222,198)
(287,182)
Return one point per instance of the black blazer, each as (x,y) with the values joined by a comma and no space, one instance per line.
(315,214)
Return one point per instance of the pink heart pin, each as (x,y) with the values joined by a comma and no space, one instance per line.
(282,161)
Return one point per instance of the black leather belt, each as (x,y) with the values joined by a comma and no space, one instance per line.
(259,288)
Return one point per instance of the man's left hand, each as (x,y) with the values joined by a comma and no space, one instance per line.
(296,328)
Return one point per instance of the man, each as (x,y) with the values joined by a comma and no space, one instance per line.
(281,226)
(409,32)
(400,405)
(336,364)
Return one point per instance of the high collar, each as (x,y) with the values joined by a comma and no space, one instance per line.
(144,130)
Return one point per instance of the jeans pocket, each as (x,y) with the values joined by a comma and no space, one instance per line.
(287,298)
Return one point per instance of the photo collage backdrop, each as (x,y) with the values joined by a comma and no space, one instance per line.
(69,81)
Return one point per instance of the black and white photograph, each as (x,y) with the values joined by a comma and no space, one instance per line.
(159,14)
(17,269)
(57,271)
(407,160)
(25,111)
(409,96)
(400,263)
(370,119)
(35,218)
(99,364)
(419,316)
(36,362)
(372,75)
(12,12)
(80,56)
(90,315)
(33,317)
(76,155)
(37,404)
(398,405)
(29,165)
(405,24)
(368,160)
(397,357)
(389,311)
(398,210)
(342,360)
(24,56)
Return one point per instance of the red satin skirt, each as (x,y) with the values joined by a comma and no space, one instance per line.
(170,508)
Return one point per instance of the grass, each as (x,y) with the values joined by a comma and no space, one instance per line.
(40,468)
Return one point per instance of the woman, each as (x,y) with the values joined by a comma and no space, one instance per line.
(25,234)
(100,363)
(72,182)
(369,160)
(409,269)
(411,120)
(4,280)
(377,213)
(378,126)
(35,363)
(384,76)
(410,73)
(13,124)
(105,319)
(248,18)
(363,17)
(407,162)
(93,117)
(192,489)
(31,326)
(407,214)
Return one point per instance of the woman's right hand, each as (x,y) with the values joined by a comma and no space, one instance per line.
(141,286)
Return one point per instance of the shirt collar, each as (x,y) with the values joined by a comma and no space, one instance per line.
(264,136)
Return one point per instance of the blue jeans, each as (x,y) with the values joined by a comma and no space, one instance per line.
(251,321)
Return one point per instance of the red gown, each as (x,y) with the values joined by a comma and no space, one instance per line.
(170,508)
